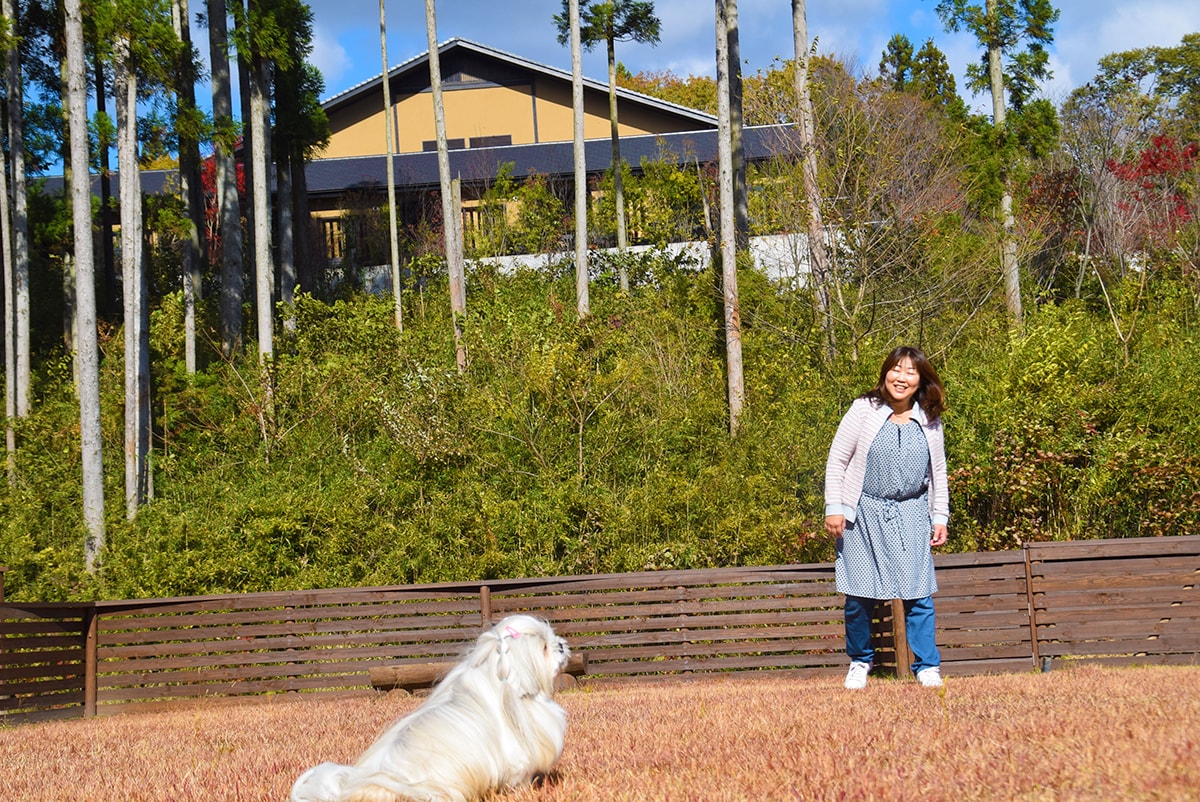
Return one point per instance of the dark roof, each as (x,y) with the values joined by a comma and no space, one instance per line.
(417,70)
(154,182)
(419,170)
(412,171)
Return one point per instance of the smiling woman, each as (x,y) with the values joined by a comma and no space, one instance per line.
(886,502)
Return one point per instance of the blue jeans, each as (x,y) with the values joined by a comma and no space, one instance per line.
(918,623)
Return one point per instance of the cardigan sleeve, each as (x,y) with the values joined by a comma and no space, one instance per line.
(940,488)
(841,454)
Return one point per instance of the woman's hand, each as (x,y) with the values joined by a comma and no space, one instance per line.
(835,525)
(940,533)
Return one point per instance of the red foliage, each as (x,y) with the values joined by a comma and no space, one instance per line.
(212,214)
(1154,178)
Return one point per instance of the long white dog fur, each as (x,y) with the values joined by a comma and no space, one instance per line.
(491,724)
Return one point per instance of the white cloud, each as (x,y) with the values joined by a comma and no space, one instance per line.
(330,58)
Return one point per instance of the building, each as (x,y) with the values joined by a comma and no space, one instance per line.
(500,109)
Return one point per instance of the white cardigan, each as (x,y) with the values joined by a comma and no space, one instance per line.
(846,468)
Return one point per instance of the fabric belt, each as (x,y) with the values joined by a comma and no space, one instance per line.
(924,491)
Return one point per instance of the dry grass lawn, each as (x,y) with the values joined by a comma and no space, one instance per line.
(1085,733)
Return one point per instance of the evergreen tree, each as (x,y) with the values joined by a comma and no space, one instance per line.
(896,64)
(933,80)
(925,73)
(612,22)
(1011,76)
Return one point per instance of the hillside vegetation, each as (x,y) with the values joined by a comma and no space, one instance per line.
(600,445)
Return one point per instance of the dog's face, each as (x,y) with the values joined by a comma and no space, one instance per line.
(527,653)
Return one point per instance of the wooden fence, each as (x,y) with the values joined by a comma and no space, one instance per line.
(1115,601)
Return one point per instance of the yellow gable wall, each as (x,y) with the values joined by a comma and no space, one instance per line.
(538,112)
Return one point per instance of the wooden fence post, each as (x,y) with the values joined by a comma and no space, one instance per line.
(1033,633)
(904,657)
(91,619)
(485,605)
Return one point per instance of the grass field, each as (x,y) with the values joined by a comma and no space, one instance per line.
(1082,733)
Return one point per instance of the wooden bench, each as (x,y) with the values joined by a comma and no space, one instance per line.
(424,675)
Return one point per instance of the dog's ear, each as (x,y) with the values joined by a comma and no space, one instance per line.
(495,647)
(514,643)
(487,648)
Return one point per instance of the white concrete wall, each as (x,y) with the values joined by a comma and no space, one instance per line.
(782,257)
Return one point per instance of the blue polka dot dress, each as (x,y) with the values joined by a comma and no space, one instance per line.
(885,553)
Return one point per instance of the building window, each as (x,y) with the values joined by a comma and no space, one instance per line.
(491,141)
(451,144)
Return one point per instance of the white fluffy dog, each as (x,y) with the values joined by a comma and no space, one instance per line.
(491,724)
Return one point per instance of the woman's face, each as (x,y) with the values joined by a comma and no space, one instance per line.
(902,381)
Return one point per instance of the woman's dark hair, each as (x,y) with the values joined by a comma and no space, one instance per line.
(930,395)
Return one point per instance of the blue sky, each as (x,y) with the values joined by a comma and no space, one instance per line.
(856,31)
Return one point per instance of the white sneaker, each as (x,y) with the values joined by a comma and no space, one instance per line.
(929,677)
(856,677)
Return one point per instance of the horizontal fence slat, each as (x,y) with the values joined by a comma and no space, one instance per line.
(113,668)
(200,633)
(1094,581)
(1142,566)
(296,646)
(1114,646)
(106,696)
(398,614)
(1100,602)
(44,687)
(1116,628)
(1115,547)
(1185,659)
(55,705)
(45,670)
(1152,611)
(11,659)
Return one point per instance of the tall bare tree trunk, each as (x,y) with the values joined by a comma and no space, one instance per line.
(85,302)
(137,350)
(287,241)
(264,270)
(10,368)
(306,269)
(246,158)
(227,191)
(617,167)
(107,303)
(20,223)
(190,189)
(805,127)
(728,235)
(393,235)
(741,201)
(1008,243)
(68,272)
(582,302)
(451,215)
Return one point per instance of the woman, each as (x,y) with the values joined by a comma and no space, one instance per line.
(887,503)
